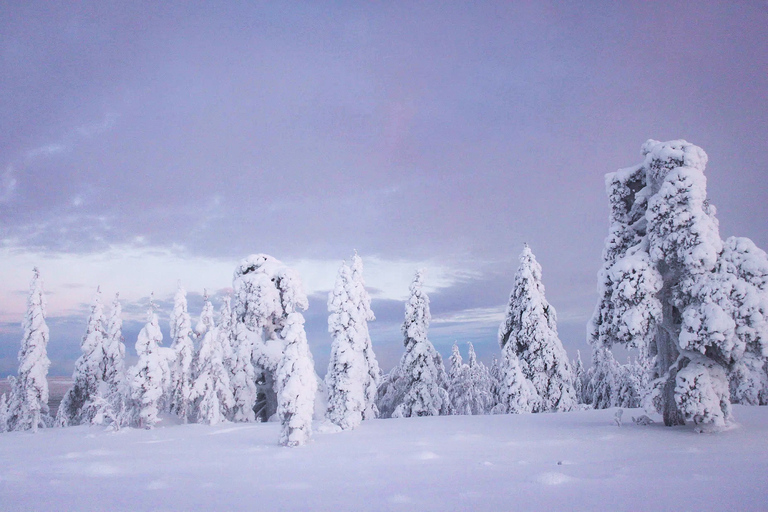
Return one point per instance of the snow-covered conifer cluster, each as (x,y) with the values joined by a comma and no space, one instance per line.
(691,308)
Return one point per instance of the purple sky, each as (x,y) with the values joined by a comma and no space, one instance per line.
(144,144)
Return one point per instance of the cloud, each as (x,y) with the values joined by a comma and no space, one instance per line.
(136,270)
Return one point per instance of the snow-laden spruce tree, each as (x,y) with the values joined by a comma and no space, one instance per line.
(148,375)
(347,376)
(243,375)
(603,382)
(184,350)
(211,391)
(360,296)
(469,386)
(580,381)
(530,324)
(77,405)
(692,304)
(516,393)
(113,363)
(28,407)
(458,381)
(225,335)
(296,384)
(3,413)
(480,394)
(267,293)
(418,385)
(494,372)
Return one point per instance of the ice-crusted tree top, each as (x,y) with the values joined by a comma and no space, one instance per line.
(206,322)
(417,316)
(266,290)
(150,335)
(358,292)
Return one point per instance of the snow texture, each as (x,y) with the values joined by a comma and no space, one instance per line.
(570,461)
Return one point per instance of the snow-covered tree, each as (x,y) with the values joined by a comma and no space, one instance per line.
(517,394)
(184,350)
(480,392)
(296,384)
(494,372)
(3,413)
(243,374)
(693,305)
(580,381)
(360,296)
(147,380)
(469,386)
(631,385)
(347,376)
(225,334)
(458,377)
(603,384)
(211,392)
(418,386)
(530,324)
(266,293)
(28,408)
(113,369)
(75,407)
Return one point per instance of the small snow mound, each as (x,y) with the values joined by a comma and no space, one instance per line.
(328,427)
(553,478)
(156,485)
(427,456)
(400,498)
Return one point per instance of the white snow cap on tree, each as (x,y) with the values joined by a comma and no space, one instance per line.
(347,375)
(693,304)
(76,406)
(530,324)
(147,375)
(296,384)
(418,386)
(211,390)
(28,408)
(184,349)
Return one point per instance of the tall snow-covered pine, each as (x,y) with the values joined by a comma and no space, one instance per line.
(530,324)
(28,408)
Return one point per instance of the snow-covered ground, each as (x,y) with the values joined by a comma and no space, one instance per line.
(565,461)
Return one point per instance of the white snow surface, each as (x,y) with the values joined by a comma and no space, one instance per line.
(563,461)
